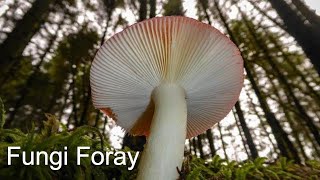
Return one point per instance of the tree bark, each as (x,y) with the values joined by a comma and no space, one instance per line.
(274,67)
(294,68)
(74,96)
(12,47)
(194,145)
(204,5)
(222,142)
(308,38)
(142,10)
(240,132)
(284,143)
(200,146)
(86,97)
(190,146)
(288,117)
(263,124)
(263,12)
(246,131)
(153,8)
(211,144)
(25,89)
(310,15)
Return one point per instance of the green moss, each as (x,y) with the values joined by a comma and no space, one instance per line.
(54,136)
(195,168)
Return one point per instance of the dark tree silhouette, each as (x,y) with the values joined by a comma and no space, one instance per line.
(12,47)
(305,35)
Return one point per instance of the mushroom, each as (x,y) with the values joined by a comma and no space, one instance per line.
(169,78)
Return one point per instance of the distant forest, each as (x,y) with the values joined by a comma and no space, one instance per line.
(47,46)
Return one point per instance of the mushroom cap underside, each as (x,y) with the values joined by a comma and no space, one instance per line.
(172,49)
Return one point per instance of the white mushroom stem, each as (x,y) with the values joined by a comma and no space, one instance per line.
(165,146)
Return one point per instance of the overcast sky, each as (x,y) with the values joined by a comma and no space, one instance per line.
(189,5)
(314,4)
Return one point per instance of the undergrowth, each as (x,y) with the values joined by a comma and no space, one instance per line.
(217,168)
(54,136)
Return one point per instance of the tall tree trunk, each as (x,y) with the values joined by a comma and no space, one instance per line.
(284,143)
(211,144)
(254,152)
(263,124)
(289,119)
(274,67)
(246,131)
(142,10)
(222,142)
(153,8)
(308,38)
(86,97)
(288,60)
(74,95)
(204,6)
(109,7)
(97,119)
(35,71)
(311,16)
(263,12)
(65,98)
(12,47)
(194,145)
(240,132)
(190,146)
(294,125)
(200,146)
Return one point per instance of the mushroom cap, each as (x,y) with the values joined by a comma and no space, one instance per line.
(171,49)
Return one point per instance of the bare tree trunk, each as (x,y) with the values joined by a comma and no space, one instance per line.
(287,115)
(263,125)
(12,47)
(194,144)
(153,5)
(222,142)
(74,99)
(142,10)
(246,131)
(240,132)
(287,59)
(66,95)
(200,146)
(109,6)
(86,97)
(274,66)
(284,144)
(311,16)
(204,6)
(263,12)
(35,71)
(97,118)
(254,152)
(308,38)
(211,143)
(190,146)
